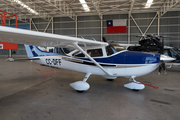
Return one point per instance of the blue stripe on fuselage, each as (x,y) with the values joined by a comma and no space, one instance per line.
(129,57)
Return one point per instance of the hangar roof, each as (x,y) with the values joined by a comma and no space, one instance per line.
(72,8)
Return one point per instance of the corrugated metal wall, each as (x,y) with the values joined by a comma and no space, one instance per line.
(89,27)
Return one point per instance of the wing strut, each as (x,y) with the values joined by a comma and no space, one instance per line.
(96,63)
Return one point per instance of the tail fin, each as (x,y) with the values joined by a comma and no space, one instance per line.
(33,51)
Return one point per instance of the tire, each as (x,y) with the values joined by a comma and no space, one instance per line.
(110,79)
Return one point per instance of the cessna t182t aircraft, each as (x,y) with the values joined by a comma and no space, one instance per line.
(89,57)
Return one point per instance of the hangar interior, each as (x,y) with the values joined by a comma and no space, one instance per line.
(69,18)
(29,91)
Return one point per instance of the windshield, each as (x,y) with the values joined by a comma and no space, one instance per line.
(175,50)
(113,48)
(117,47)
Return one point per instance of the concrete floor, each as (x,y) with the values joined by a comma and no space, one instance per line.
(29,91)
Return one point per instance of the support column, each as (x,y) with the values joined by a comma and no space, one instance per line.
(101,27)
(137,25)
(30,22)
(10,51)
(52,22)
(158,21)
(129,39)
(76,27)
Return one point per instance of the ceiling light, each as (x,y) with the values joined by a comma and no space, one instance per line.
(27,7)
(85,6)
(148,4)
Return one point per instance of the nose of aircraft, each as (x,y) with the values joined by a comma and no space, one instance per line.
(152,58)
(132,57)
(166,58)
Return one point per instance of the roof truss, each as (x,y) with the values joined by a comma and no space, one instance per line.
(72,8)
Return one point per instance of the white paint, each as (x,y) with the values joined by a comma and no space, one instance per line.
(135,86)
(80,85)
(119,22)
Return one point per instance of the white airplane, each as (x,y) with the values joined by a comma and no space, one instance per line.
(90,57)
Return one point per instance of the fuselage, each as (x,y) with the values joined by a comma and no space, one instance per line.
(120,64)
(113,58)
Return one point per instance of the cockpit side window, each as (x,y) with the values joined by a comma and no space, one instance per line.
(173,53)
(95,52)
(113,48)
(78,54)
(116,47)
(109,50)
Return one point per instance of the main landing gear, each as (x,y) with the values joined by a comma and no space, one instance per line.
(110,78)
(81,86)
(135,85)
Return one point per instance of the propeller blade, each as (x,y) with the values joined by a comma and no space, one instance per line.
(104,39)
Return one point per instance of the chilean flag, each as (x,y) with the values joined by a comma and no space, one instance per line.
(116,26)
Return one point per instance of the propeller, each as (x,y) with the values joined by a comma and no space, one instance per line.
(104,39)
(162,66)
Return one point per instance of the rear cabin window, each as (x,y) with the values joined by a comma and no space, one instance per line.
(95,52)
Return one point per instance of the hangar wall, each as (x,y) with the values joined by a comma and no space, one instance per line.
(90,27)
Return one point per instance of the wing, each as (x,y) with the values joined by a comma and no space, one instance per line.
(172,64)
(15,35)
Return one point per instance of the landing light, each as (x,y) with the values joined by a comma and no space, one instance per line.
(85,6)
(27,7)
(149,3)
